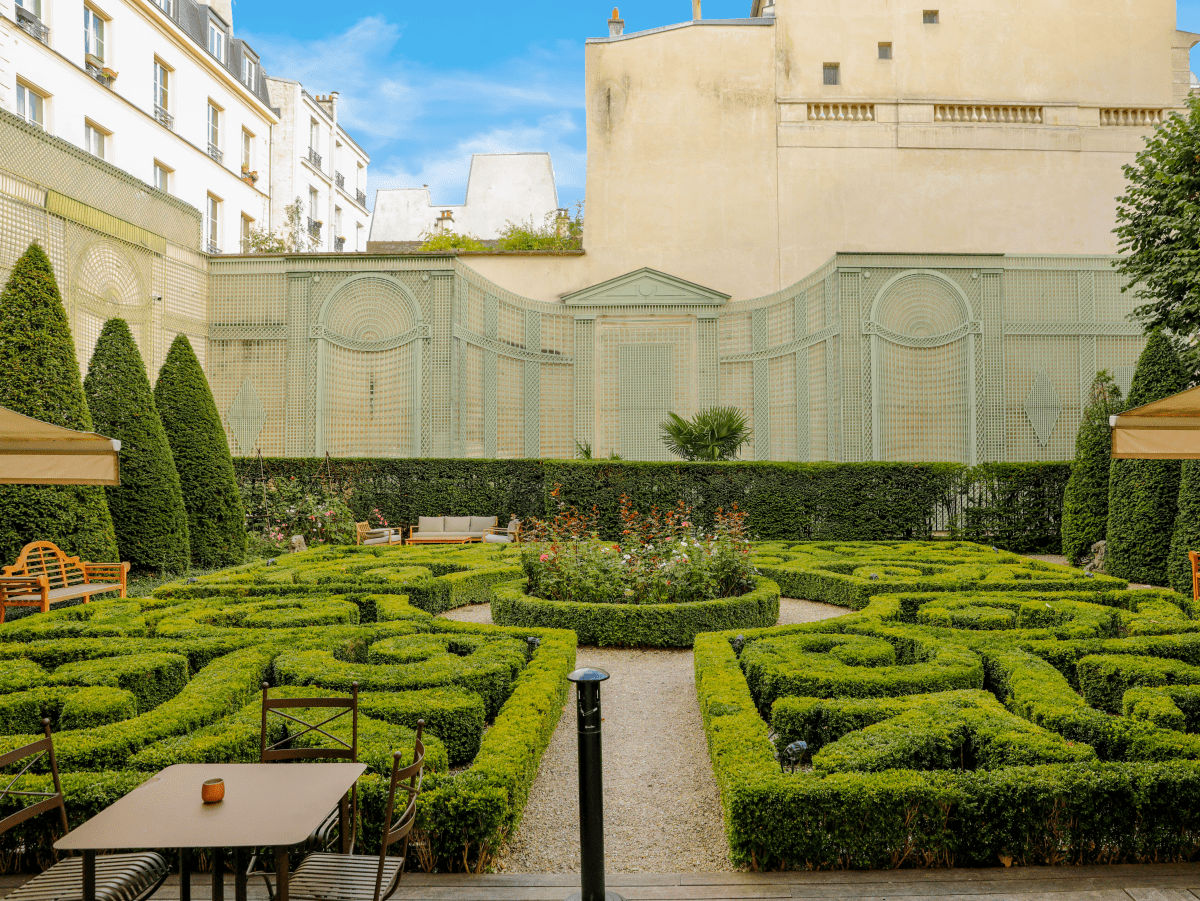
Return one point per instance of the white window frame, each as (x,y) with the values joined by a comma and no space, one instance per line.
(828,69)
(314,200)
(162,85)
(212,222)
(95,39)
(246,224)
(216,40)
(213,128)
(249,72)
(314,134)
(162,176)
(95,139)
(26,93)
(247,149)
(31,6)
(164,5)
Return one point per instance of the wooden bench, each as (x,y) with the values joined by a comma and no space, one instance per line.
(44,575)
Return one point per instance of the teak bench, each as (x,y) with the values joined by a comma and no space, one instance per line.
(44,575)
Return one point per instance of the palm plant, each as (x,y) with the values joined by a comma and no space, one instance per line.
(717,433)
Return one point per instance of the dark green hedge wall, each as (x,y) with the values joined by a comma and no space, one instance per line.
(1015,506)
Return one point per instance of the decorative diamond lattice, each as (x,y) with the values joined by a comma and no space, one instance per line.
(247,416)
(1043,407)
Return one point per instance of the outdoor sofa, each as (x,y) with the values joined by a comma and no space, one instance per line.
(456,529)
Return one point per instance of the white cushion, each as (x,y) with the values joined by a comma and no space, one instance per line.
(431,524)
(458,524)
(483,523)
(384,540)
(513,526)
(497,539)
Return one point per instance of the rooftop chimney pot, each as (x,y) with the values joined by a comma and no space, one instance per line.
(616,25)
(696,9)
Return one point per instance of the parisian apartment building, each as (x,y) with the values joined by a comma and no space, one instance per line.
(314,161)
(164,90)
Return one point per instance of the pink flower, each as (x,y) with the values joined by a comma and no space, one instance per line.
(544,557)
(687,525)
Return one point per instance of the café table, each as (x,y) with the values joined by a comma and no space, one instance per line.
(266,805)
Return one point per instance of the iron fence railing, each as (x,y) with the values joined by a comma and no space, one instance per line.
(339,179)
(32,25)
(314,157)
(211,247)
(165,118)
(361,197)
(314,227)
(339,244)
(215,152)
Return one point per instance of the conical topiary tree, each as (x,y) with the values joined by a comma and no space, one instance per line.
(39,377)
(1085,501)
(216,518)
(147,507)
(1143,495)
(1186,536)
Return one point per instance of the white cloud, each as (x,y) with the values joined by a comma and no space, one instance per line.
(421,124)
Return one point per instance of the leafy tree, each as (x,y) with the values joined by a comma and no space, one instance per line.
(451,241)
(1143,495)
(216,517)
(1158,230)
(292,237)
(717,433)
(1085,502)
(39,377)
(147,507)
(559,233)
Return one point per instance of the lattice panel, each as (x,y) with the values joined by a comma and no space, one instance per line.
(558,335)
(646,393)
(557,411)
(512,325)
(86,331)
(783,407)
(510,408)
(473,308)
(250,300)
(260,364)
(781,323)
(737,390)
(1040,295)
(818,402)
(1111,305)
(368,401)
(735,334)
(1119,356)
(470,399)
(923,402)
(1039,371)
(816,307)
(369,310)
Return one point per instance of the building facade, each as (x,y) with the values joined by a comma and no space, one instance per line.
(314,161)
(159,89)
(501,188)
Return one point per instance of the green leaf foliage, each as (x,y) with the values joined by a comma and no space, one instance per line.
(147,507)
(1085,502)
(216,518)
(717,433)
(41,379)
(1144,494)
(1186,536)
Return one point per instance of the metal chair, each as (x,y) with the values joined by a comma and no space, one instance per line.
(119,877)
(359,877)
(339,828)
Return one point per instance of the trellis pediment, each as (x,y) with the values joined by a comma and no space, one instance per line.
(645,287)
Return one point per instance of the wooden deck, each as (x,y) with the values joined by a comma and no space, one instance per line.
(1151,882)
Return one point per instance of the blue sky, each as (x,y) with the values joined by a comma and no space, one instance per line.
(423,85)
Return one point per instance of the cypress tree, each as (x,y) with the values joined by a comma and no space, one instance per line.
(39,377)
(216,518)
(1143,495)
(147,507)
(1085,502)
(1186,536)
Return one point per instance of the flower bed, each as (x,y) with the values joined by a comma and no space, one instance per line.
(960,728)
(135,685)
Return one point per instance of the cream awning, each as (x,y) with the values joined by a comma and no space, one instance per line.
(33,452)
(1168,429)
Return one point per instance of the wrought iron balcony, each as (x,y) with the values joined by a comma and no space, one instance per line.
(215,152)
(361,197)
(314,228)
(314,157)
(340,179)
(32,25)
(211,247)
(164,118)
(339,244)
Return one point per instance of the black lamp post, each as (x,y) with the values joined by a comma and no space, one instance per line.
(591,788)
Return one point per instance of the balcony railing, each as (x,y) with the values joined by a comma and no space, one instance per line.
(314,228)
(33,25)
(361,197)
(314,157)
(339,179)
(211,247)
(215,152)
(163,117)
(339,244)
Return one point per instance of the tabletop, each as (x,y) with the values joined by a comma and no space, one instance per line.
(265,804)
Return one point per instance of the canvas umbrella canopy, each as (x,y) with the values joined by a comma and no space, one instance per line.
(1168,429)
(33,452)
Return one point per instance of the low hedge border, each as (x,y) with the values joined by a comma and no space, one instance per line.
(637,625)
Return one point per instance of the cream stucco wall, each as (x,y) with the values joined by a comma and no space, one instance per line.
(717,154)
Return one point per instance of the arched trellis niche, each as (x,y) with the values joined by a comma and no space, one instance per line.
(106,283)
(368,340)
(922,363)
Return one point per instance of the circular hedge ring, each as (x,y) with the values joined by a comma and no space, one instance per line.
(637,625)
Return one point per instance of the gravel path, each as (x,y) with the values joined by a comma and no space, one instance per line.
(662,810)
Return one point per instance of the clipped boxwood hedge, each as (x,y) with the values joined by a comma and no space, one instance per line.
(135,685)
(637,625)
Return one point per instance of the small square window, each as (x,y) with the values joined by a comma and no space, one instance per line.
(832,73)
(162,177)
(929,17)
(885,50)
(29,105)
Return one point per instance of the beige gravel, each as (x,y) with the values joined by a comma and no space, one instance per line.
(662,811)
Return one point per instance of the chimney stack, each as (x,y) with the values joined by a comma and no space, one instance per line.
(696,9)
(616,25)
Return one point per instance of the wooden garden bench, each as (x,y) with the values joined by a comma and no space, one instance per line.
(44,575)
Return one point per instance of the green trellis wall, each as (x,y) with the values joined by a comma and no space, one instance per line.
(874,356)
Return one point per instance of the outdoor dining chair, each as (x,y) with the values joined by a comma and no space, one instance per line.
(361,877)
(119,877)
(339,828)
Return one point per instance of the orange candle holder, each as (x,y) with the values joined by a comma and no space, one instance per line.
(212,790)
